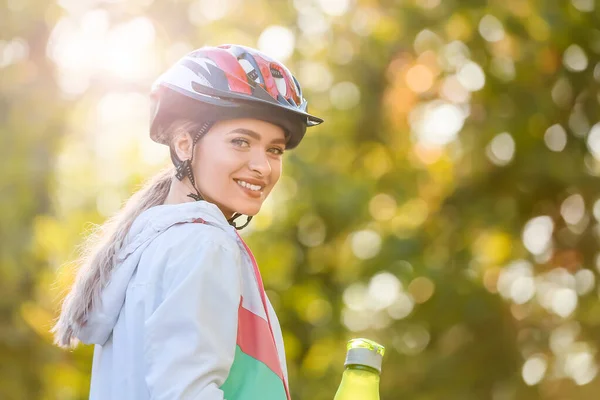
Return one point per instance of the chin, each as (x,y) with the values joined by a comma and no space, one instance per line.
(243,207)
(248,210)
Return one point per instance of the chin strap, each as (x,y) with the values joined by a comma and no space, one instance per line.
(184,168)
(235,216)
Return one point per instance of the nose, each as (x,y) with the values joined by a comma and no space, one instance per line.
(259,162)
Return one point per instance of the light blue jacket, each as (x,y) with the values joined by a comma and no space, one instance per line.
(183,307)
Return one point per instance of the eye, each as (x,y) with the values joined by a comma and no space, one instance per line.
(240,142)
(277,151)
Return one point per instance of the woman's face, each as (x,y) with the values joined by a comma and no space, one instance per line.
(237,164)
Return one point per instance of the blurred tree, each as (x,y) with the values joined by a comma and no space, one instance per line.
(448,207)
(31,120)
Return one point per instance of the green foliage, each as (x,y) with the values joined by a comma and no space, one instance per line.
(410,217)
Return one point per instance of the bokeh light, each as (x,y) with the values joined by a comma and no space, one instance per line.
(575,58)
(555,138)
(412,340)
(334,7)
(593,141)
(572,209)
(345,95)
(382,207)
(584,5)
(501,149)
(437,123)
(311,230)
(419,78)
(365,244)
(277,41)
(315,76)
(537,234)
(471,76)
(534,369)
(491,28)
(13,51)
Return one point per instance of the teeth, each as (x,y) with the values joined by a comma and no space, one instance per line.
(249,186)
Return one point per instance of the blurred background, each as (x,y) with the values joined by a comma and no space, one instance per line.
(448,208)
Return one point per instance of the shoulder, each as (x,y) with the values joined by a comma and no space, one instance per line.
(196,235)
(188,243)
(197,253)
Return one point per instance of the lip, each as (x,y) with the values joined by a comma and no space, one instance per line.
(253,181)
(250,193)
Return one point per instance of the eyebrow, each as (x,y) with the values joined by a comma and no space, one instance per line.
(256,135)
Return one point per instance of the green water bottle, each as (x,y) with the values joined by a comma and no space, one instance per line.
(360,380)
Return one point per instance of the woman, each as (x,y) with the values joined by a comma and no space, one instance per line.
(168,291)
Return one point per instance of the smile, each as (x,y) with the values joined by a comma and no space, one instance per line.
(254,188)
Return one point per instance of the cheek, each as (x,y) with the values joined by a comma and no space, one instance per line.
(276,171)
(212,171)
(207,170)
(215,168)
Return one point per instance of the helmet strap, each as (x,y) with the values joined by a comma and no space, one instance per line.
(184,168)
(235,216)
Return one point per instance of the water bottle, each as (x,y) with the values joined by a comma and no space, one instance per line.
(360,380)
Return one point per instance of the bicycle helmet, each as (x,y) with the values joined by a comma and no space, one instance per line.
(230,81)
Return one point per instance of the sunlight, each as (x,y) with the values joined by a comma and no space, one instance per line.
(437,123)
(537,234)
(534,369)
(129,52)
(277,41)
(86,47)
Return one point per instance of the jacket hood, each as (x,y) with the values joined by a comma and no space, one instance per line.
(104,309)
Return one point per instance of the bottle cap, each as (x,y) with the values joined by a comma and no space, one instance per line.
(364,352)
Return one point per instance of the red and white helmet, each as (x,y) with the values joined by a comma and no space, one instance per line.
(230,81)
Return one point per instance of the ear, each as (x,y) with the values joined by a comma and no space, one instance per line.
(182,144)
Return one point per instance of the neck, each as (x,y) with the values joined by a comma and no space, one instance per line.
(178,193)
(359,383)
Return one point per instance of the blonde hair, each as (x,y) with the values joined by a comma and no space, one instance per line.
(99,251)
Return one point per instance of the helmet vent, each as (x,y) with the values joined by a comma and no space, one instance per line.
(253,75)
(276,73)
